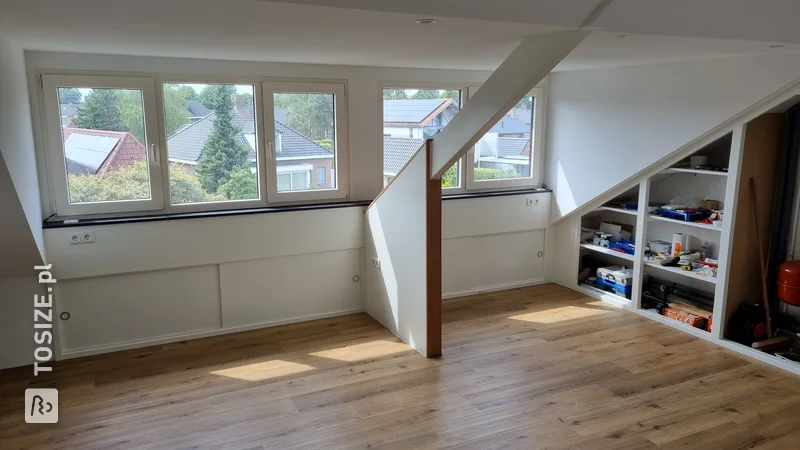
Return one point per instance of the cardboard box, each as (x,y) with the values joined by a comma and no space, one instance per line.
(686,317)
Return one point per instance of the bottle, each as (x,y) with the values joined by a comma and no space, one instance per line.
(704,251)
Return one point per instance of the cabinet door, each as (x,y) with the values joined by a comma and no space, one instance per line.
(111,313)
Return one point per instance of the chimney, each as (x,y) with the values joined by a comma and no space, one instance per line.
(241,104)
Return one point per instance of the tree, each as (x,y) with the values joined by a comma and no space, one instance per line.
(186,91)
(222,152)
(184,188)
(449,177)
(309,113)
(482,173)
(125,183)
(208,94)
(425,94)
(175,113)
(100,111)
(454,94)
(327,143)
(131,114)
(394,94)
(248,99)
(242,185)
(68,96)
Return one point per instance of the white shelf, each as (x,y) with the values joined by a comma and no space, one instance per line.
(603,295)
(679,271)
(695,171)
(607,251)
(631,212)
(704,226)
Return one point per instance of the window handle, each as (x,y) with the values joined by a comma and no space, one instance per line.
(154,154)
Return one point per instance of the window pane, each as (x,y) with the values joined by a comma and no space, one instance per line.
(305,139)
(105,149)
(505,151)
(211,142)
(409,117)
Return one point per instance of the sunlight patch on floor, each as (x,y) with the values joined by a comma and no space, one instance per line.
(556,315)
(366,350)
(264,370)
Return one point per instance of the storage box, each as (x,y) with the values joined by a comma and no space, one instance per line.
(660,247)
(686,317)
(615,278)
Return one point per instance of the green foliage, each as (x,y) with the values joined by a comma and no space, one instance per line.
(482,173)
(309,113)
(327,143)
(242,185)
(69,96)
(454,94)
(125,183)
(175,112)
(527,101)
(450,178)
(211,92)
(248,99)
(186,92)
(131,114)
(100,111)
(184,188)
(425,94)
(394,94)
(222,153)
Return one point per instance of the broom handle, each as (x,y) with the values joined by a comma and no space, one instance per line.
(763,264)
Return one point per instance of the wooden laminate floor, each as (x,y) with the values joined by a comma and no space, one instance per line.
(540,367)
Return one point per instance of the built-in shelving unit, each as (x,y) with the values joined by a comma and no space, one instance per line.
(680,185)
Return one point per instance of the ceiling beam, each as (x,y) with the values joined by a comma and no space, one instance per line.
(526,66)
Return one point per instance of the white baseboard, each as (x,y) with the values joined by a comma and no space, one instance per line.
(69,354)
(493,288)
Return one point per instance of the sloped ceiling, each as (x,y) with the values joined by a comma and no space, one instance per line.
(469,35)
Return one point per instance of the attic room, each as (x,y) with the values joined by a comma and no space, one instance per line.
(376,224)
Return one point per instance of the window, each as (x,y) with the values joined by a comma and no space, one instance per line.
(506,156)
(127,144)
(320,176)
(409,117)
(308,137)
(211,142)
(103,154)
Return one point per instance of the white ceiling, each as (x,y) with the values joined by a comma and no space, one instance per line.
(292,32)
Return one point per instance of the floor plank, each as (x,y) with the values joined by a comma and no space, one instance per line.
(538,367)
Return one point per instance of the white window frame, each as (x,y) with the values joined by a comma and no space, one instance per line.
(339,91)
(463,87)
(537,151)
(56,157)
(223,205)
(324,172)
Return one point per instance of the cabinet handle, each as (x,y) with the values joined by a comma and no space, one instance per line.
(64,315)
(540,254)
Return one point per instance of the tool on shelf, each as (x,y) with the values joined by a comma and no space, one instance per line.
(761,258)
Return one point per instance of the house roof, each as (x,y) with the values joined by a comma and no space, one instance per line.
(186,144)
(510,125)
(88,151)
(510,147)
(416,112)
(196,109)
(397,151)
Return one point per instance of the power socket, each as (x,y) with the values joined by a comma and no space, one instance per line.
(85,237)
(376,263)
(531,201)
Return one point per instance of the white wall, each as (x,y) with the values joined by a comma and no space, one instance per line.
(16,320)
(16,145)
(607,125)
(395,233)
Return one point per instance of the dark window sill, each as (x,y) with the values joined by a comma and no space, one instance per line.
(60,222)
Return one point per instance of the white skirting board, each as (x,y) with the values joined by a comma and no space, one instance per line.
(736,347)
(199,335)
(494,288)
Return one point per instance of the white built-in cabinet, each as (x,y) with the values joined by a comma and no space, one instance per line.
(748,150)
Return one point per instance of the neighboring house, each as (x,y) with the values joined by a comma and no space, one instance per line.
(94,152)
(507,145)
(68,112)
(417,118)
(396,153)
(196,110)
(301,162)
